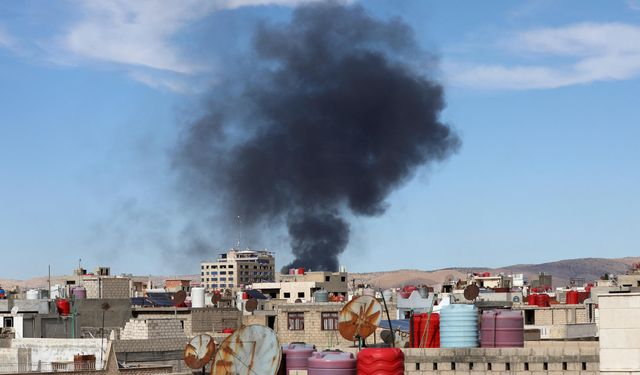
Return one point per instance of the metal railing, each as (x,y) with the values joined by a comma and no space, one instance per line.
(12,368)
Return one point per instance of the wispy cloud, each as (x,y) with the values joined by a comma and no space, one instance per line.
(6,40)
(574,54)
(141,34)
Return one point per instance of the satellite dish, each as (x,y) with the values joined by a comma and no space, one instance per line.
(215,298)
(14,311)
(251,305)
(105,306)
(199,351)
(471,292)
(387,337)
(253,349)
(179,297)
(359,318)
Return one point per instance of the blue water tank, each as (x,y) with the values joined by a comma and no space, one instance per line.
(459,326)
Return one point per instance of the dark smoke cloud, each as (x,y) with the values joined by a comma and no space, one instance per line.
(330,115)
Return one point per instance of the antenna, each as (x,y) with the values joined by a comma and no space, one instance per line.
(251,350)
(239,223)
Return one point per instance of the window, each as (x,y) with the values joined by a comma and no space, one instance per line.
(327,278)
(300,294)
(343,279)
(329,321)
(8,322)
(529,317)
(287,295)
(296,321)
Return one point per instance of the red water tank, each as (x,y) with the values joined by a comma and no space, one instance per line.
(419,323)
(378,361)
(486,274)
(64,307)
(583,296)
(531,299)
(542,300)
(228,330)
(245,295)
(572,297)
(300,271)
(502,329)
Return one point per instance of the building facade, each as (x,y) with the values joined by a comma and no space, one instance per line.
(237,268)
(303,286)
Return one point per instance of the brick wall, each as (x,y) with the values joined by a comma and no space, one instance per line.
(210,319)
(144,329)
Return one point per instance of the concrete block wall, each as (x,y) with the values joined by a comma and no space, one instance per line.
(210,319)
(619,333)
(184,319)
(568,359)
(108,287)
(145,329)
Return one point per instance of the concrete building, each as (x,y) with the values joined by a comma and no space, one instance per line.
(107,287)
(560,322)
(236,268)
(315,323)
(619,333)
(302,286)
(176,285)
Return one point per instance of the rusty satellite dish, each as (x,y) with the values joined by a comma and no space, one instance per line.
(215,298)
(471,292)
(253,349)
(251,305)
(359,318)
(179,297)
(199,351)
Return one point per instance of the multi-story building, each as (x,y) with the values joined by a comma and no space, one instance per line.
(302,286)
(237,268)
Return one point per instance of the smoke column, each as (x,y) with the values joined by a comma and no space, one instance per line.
(325,117)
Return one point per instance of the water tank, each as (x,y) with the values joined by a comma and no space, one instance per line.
(531,299)
(63,306)
(321,296)
(2,293)
(197,297)
(301,271)
(388,295)
(542,300)
(424,292)
(292,271)
(332,363)
(79,292)
(228,330)
(502,329)
(245,295)
(32,294)
(297,355)
(572,297)
(430,338)
(378,361)
(458,326)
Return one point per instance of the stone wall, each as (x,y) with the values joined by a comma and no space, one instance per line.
(108,287)
(312,332)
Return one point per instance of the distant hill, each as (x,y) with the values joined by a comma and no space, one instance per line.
(562,271)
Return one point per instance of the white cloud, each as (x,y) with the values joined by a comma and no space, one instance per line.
(140,35)
(6,41)
(575,54)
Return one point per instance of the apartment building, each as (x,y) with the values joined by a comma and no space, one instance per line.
(236,268)
(302,286)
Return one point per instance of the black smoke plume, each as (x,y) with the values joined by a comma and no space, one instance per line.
(328,115)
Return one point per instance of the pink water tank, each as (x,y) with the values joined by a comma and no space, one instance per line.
(332,363)
(502,329)
(297,355)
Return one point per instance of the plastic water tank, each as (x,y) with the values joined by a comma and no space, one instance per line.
(79,292)
(63,306)
(32,294)
(502,329)
(378,361)
(459,326)
(321,296)
(542,300)
(388,295)
(572,297)
(332,363)
(197,297)
(531,299)
(432,338)
(298,355)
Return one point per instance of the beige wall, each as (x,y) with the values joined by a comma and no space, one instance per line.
(619,333)
(312,333)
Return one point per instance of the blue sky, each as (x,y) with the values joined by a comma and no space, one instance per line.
(544,95)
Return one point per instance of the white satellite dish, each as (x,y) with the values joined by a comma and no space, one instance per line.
(14,311)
